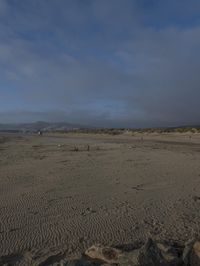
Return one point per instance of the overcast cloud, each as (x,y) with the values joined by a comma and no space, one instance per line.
(100,62)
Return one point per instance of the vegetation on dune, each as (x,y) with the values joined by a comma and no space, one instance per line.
(118,131)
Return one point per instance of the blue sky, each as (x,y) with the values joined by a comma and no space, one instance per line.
(100,62)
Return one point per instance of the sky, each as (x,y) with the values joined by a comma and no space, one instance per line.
(108,63)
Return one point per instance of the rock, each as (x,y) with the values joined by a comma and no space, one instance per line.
(187,252)
(153,253)
(113,256)
(169,253)
(158,254)
(81,262)
(134,256)
(106,254)
(195,254)
(71,263)
(108,264)
(191,254)
(127,260)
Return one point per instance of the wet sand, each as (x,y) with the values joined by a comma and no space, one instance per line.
(58,196)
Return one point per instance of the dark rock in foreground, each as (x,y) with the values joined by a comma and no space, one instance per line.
(153,253)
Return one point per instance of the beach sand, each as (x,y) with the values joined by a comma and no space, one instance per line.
(61,193)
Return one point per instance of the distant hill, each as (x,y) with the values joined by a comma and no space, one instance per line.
(40,125)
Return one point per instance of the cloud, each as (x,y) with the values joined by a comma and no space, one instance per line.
(102,62)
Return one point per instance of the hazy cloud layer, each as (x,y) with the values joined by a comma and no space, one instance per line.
(105,63)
